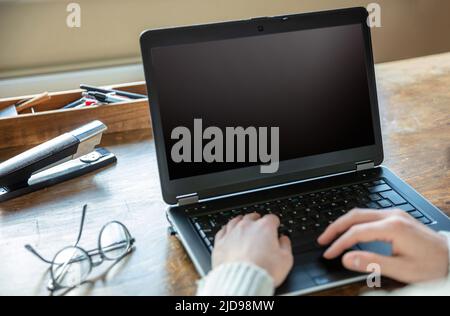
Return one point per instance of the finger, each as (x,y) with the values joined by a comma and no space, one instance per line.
(232,223)
(251,217)
(344,222)
(221,232)
(270,220)
(372,231)
(363,261)
(285,243)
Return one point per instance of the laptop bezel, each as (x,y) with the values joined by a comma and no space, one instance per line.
(248,178)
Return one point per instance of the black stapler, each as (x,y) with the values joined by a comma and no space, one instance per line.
(62,158)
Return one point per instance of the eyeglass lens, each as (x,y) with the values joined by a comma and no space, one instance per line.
(70,267)
(114,240)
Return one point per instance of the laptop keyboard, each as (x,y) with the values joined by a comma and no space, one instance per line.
(304,217)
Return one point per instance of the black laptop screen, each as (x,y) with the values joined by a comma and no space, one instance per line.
(312,84)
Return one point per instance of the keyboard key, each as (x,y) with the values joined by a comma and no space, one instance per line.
(197,225)
(357,186)
(207,230)
(363,200)
(394,197)
(416,214)
(384,203)
(374,197)
(343,211)
(372,205)
(304,217)
(379,188)
(424,220)
(406,207)
(283,231)
(226,214)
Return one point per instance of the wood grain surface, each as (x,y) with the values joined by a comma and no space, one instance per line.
(414,97)
(50,120)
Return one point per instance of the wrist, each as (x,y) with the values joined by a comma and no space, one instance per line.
(236,279)
(260,265)
(445,237)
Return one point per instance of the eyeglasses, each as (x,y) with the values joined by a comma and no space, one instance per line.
(71,265)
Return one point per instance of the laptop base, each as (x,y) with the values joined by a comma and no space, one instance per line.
(311,272)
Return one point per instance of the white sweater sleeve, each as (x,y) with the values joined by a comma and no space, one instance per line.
(236,279)
(246,279)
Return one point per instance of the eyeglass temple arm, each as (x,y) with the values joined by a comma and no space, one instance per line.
(34,252)
(80,231)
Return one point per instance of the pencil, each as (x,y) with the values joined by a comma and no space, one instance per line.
(38,99)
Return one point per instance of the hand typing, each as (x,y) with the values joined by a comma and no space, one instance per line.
(254,239)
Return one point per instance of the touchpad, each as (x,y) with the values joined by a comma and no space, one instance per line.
(321,270)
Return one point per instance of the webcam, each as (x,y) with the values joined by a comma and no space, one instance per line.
(260,28)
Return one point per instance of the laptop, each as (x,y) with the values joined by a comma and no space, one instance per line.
(308,79)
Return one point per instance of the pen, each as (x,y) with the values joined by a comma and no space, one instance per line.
(22,102)
(88,102)
(74,103)
(117,92)
(102,97)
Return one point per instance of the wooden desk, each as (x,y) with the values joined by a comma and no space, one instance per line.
(415,108)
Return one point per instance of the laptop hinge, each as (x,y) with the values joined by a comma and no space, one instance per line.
(364,165)
(187,199)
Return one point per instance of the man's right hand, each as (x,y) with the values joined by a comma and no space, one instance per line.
(418,253)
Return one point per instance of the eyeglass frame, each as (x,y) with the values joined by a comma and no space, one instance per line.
(53,283)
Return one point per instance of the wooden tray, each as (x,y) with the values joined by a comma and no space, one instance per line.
(49,120)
